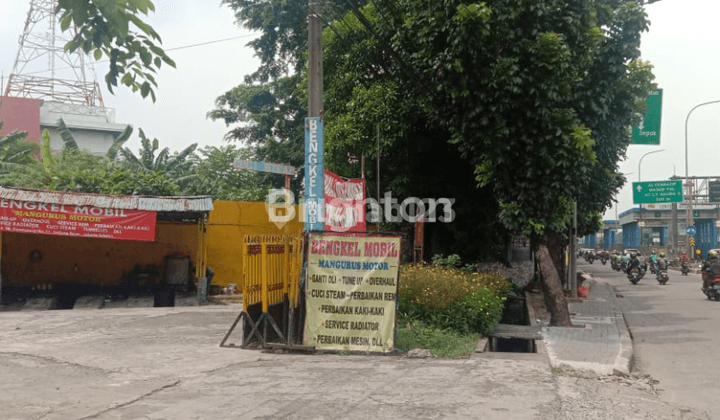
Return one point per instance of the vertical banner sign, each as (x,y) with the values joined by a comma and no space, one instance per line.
(351,293)
(314,171)
(344,204)
(648,132)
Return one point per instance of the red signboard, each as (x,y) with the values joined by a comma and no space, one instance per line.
(344,204)
(71,220)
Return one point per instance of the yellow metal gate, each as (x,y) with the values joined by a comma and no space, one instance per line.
(271,275)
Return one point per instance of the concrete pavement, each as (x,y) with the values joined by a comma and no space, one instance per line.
(166,363)
(600,343)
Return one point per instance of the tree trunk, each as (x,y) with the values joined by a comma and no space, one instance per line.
(556,248)
(552,289)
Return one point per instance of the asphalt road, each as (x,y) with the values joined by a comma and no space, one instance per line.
(676,334)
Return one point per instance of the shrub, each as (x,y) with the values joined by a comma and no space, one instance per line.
(451,298)
(452,260)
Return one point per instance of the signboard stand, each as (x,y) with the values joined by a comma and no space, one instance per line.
(351,292)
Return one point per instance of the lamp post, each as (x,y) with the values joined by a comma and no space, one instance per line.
(689,215)
(640,162)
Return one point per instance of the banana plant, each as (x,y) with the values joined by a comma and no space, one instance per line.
(14,151)
(177,166)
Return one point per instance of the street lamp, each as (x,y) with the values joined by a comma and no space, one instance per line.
(639,180)
(689,216)
(640,162)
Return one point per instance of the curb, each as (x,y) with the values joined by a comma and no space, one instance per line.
(625,361)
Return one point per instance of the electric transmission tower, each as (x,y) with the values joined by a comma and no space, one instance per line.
(42,69)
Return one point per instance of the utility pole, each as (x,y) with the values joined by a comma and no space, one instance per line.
(314,148)
(315,69)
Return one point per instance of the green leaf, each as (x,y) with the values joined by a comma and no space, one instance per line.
(98,54)
(145,89)
(127,79)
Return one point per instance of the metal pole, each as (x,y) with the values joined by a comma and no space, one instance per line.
(378,173)
(573,271)
(673,228)
(689,215)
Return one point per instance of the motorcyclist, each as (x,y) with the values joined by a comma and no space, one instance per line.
(684,258)
(661,264)
(684,261)
(625,259)
(710,268)
(633,262)
(653,260)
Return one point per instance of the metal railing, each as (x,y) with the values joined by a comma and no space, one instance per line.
(271,276)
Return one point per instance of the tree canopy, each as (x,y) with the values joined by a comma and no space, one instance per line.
(116,30)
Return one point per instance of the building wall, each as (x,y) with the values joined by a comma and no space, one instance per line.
(96,142)
(107,262)
(229,222)
(94,261)
(22,114)
(93,127)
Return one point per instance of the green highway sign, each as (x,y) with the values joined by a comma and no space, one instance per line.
(657,192)
(714,191)
(648,132)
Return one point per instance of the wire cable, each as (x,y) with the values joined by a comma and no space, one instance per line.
(168,49)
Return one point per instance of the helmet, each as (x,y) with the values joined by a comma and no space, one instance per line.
(662,254)
(712,255)
(653,252)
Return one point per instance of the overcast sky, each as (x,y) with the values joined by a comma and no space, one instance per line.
(185,94)
(683,44)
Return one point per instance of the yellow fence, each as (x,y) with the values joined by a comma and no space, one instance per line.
(271,269)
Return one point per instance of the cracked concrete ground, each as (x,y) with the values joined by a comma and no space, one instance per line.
(165,363)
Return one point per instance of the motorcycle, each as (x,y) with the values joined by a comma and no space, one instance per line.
(603,258)
(635,275)
(662,273)
(713,290)
(685,268)
(590,258)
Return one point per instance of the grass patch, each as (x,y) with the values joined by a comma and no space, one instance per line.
(446,344)
(447,310)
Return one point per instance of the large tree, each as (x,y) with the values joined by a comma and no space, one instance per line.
(538,96)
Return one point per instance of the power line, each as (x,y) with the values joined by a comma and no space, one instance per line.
(210,42)
(169,49)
